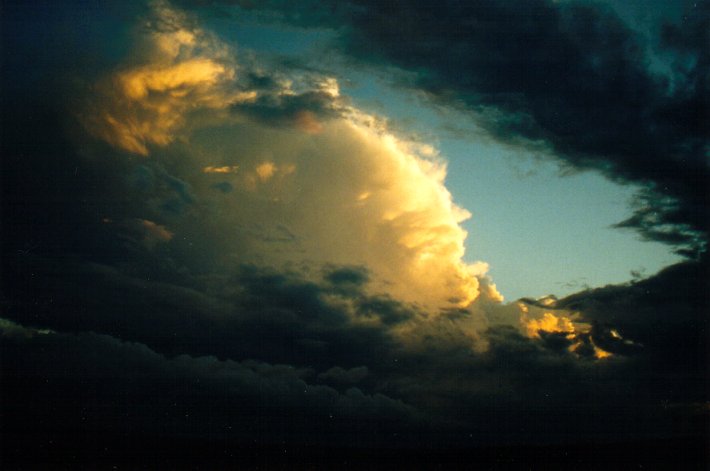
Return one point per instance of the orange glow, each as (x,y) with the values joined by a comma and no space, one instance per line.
(224,169)
(265,171)
(548,323)
(147,104)
(156,232)
(579,333)
(599,353)
(178,78)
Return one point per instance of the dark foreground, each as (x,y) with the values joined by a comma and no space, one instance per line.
(136,452)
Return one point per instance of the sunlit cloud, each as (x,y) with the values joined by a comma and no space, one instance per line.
(350,190)
(601,354)
(549,323)
(265,171)
(9,328)
(155,233)
(141,231)
(536,322)
(179,69)
(222,169)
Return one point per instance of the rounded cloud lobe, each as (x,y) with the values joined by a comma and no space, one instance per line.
(312,179)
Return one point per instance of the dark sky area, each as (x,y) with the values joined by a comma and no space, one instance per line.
(214,258)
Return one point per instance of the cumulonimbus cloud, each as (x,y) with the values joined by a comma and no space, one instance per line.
(345,188)
(152,253)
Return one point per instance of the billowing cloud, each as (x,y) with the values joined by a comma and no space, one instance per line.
(348,190)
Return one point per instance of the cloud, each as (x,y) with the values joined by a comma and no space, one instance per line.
(142,231)
(303,335)
(265,171)
(549,323)
(347,190)
(158,190)
(224,187)
(629,317)
(355,276)
(179,69)
(343,376)
(222,169)
(321,303)
(352,187)
(101,385)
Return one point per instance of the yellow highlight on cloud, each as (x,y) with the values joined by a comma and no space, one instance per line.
(361,196)
(265,171)
(578,332)
(223,169)
(147,104)
(549,323)
(179,78)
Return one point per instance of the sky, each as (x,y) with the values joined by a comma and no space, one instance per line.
(342,233)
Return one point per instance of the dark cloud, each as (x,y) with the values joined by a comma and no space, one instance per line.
(182,193)
(518,389)
(356,276)
(224,187)
(193,348)
(157,316)
(665,316)
(250,314)
(384,308)
(296,110)
(100,385)
(339,375)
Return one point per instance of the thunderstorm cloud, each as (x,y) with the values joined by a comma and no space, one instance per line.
(215,255)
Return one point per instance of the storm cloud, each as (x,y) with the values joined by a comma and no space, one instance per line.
(206,258)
